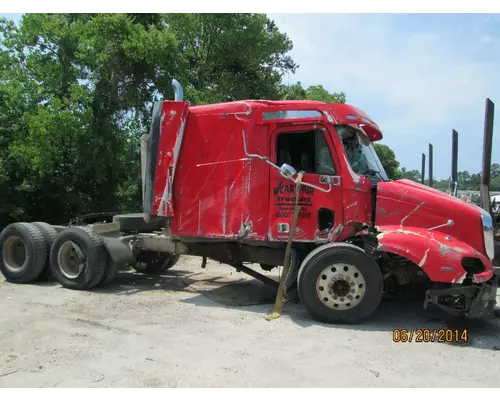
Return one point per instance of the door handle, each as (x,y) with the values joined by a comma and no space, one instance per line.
(329,180)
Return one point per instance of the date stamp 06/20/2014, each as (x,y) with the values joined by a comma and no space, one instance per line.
(430,335)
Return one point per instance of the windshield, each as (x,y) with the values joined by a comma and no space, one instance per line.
(360,153)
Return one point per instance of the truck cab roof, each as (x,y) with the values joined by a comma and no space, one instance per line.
(275,111)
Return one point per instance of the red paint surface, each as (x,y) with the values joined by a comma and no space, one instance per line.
(174,114)
(218,189)
(311,200)
(405,212)
(218,192)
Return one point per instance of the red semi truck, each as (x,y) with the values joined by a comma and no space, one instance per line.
(223,181)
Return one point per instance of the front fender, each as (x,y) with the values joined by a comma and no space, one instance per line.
(440,256)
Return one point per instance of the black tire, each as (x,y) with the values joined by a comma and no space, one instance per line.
(49,235)
(23,252)
(135,223)
(312,272)
(93,249)
(110,275)
(153,263)
(111,271)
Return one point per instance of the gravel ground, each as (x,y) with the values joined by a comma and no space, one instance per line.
(207,328)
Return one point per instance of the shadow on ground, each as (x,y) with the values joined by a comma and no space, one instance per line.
(234,292)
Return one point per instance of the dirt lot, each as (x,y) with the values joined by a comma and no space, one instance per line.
(206,328)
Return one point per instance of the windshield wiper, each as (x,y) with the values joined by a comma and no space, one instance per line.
(375,173)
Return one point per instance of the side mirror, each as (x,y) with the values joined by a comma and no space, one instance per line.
(287,171)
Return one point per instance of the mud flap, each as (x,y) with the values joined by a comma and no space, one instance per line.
(478,301)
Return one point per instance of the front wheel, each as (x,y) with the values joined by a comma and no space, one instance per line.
(340,283)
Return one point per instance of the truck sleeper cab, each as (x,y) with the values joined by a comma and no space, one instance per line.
(221,181)
(346,197)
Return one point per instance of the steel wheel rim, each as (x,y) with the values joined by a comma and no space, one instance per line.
(71,260)
(341,286)
(14,254)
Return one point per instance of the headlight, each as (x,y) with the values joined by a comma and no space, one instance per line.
(489,243)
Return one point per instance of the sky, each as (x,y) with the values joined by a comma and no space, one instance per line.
(417,75)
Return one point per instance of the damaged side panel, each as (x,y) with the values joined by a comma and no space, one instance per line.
(218,189)
(440,256)
(320,213)
(413,225)
(173,122)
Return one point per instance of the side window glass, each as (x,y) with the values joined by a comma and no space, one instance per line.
(324,160)
(305,151)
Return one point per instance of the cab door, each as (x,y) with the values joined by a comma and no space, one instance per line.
(306,148)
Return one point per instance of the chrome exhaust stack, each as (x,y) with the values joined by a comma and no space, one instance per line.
(179,92)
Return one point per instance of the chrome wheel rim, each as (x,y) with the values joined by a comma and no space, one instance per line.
(341,286)
(71,260)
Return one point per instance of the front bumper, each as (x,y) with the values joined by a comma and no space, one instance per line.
(473,301)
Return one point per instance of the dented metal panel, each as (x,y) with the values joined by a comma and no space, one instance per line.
(173,122)
(283,194)
(217,191)
(413,221)
(212,188)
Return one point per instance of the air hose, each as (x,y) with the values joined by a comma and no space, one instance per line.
(278,305)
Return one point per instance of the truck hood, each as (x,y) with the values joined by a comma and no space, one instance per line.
(407,205)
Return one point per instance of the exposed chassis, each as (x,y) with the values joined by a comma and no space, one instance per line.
(475,301)
(123,249)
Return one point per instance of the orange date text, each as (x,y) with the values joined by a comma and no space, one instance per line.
(429,335)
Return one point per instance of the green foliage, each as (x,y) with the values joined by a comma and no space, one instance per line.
(317,93)
(468,181)
(231,56)
(413,175)
(76,93)
(388,160)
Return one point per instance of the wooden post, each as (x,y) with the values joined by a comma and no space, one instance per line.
(422,178)
(454,162)
(487,146)
(430,165)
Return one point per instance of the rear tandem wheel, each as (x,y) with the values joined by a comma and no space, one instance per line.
(23,252)
(78,258)
(49,234)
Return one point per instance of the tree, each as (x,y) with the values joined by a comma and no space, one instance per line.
(76,93)
(229,57)
(293,92)
(413,175)
(388,160)
(318,93)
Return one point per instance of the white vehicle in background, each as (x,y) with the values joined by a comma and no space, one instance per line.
(495,203)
